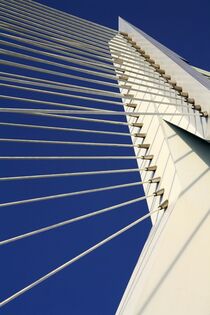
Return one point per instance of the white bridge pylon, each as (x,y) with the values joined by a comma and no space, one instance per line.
(172,274)
(70,88)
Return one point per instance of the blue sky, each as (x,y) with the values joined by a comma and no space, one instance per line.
(182,26)
(95,284)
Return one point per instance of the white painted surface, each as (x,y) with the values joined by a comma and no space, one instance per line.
(188,78)
(172,275)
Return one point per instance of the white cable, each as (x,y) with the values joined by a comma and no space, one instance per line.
(52,63)
(85,90)
(64,195)
(52,31)
(68,18)
(82,217)
(99,112)
(28,29)
(68,263)
(38,113)
(99,100)
(129,170)
(44,45)
(57,73)
(38,141)
(66,129)
(55,25)
(46,102)
(105,157)
(59,47)
(59,57)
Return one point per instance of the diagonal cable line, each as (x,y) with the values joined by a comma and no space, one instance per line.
(47,115)
(99,112)
(40,176)
(58,47)
(74,22)
(127,134)
(61,74)
(52,72)
(86,252)
(35,101)
(6,52)
(84,63)
(76,219)
(76,45)
(49,52)
(35,34)
(84,90)
(127,87)
(46,29)
(31,29)
(70,194)
(72,25)
(58,142)
(58,87)
(77,32)
(105,157)
(67,19)
(47,24)
(107,101)
(91,72)
(37,43)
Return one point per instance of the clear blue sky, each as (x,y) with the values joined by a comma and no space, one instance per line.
(95,284)
(182,26)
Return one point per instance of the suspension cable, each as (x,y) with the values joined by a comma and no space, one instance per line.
(67,129)
(40,176)
(76,219)
(89,250)
(70,194)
